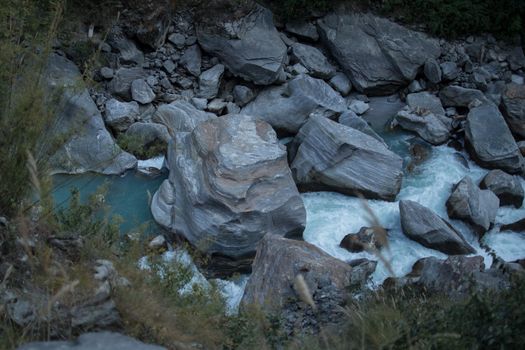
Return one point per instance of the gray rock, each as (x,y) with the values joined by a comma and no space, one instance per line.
(93,341)
(250,47)
(177,39)
(121,83)
(415,86)
(209,82)
(427,125)
(514,108)
(304,30)
(242,95)
(128,51)
(280,260)
(427,228)
(217,105)
(288,107)
(341,83)
(521,146)
(141,92)
(457,96)
(330,156)
(450,70)
(313,60)
(149,135)
(382,110)
(378,55)
(192,60)
(163,204)
(200,103)
(425,101)
(477,207)
(233,185)
(181,116)
(358,107)
(232,108)
(88,145)
(298,69)
(364,240)
(120,115)
(169,66)
(107,73)
(506,187)
(489,140)
(354,121)
(432,71)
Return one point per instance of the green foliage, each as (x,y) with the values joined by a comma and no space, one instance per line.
(135,145)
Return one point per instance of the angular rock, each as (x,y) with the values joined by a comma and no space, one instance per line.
(358,107)
(425,101)
(141,92)
(180,116)
(92,341)
(313,60)
(107,73)
(242,95)
(341,83)
(514,109)
(457,96)
(148,136)
(382,110)
(450,70)
(280,260)
(506,187)
(354,121)
(475,206)
(427,228)
(209,82)
(304,30)
(250,47)
(88,146)
(428,126)
(490,142)
(288,107)
(378,55)
(328,156)
(432,71)
(121,83)
(128,51)
(177,39)
(120,115)
(192,60)
(233,185)
(365,239)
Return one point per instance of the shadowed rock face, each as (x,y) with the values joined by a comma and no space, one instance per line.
(233,185)
(427,228)
(490,141)
(376,62)
(330,156)
(249,47)
(506,187)
(89,146)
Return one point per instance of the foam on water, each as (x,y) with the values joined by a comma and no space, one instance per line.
(331,216)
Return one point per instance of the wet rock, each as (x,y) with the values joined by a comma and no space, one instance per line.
(209,82)
(121,83)
(432,71)
(192,60)
(518,226)
(477,207)
(428,126)
(427,228)
(242,95)
(341,83)
(329,156)
(364,240)
(141,92)
(490,142)
(514,109)
(304,30)
(180,116)
(288,107)
(250,47)
(120,115)
(354,121)
(91,148)
(313,60)
(457,96)
(233,186)
(425,101)
(506,187)
(378,55)
(92,341)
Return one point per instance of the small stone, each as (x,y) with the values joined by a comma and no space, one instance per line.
(517,79)
(432,71)
(341,83)
(358,107)
(242,95)
(141,92)
(120,115)
(200,103)
(185,83)
(415,86)
(169,66)
(299,69)
(450,70)
(157,243)
(217,105)
(232,108)
(209,81)
(178,40)
(107,73)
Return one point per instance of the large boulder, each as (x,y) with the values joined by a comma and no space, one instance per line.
(181,116)
(429,126)
(425,102)
(468,202)
(233,185)
(506,187)
(92,341)
(490,141)
(514,108)
(120,115)
(249,46)
(328,156)
(288,107)
(354,121)
(427,228)
(313,60)
(457,96)
(88,146)
(378,55)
